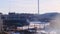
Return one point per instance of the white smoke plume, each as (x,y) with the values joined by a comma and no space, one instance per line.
(55,24)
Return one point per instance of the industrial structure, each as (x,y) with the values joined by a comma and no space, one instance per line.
(20,22)
(1,23)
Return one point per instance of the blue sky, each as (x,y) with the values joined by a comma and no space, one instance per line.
(29,6)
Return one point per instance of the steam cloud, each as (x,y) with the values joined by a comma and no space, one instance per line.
(55,24)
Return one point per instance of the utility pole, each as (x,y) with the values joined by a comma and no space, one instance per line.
(38,7)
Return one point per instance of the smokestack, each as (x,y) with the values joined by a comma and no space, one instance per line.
(38,7)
